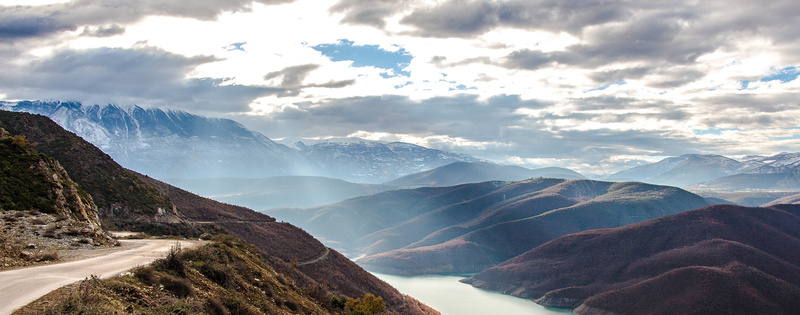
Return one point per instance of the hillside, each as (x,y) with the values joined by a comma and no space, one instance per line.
(744,198)
(745,182)
(42,211)
(791,199)
(475,172)
(142,203)
(470,227)
(224,276)
(721,259)
(275,192)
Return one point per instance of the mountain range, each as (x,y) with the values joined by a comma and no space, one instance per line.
(175,144)
(127,200)
(721,259)
(363,161)
(471,227)
(716,172)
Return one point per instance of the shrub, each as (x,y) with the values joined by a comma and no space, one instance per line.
(146,274)
(179,286)
(338,302)
(219,273)
(368,305)
(173,261)
(214,306)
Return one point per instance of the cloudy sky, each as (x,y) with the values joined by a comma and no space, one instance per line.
(592,85)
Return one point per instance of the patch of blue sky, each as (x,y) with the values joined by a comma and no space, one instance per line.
(784,75)
(714,131)
(794,137)
(462,87)
(235,46)
(789,137)
(608,85)
(368,56)
(403,85)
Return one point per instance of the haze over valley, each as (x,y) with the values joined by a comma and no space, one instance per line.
(350,157)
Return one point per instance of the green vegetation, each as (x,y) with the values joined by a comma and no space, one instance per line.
(368,305)
(24,184)
(111,186)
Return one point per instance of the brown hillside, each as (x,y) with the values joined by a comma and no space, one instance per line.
(510,227)
(134,201)
(721,259)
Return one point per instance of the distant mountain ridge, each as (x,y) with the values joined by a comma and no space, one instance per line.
(475,172)
(176,144)
(372,161)
(716,172)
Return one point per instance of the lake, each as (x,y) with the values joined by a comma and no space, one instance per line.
(447,295)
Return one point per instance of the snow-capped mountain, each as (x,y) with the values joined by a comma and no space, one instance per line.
(682,170)
(369,161)
(779,163)
(176,144)
(169,143)
(716,172)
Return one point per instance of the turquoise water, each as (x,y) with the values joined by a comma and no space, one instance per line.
(450,297)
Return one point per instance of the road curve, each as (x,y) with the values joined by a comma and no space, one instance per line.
(22,286)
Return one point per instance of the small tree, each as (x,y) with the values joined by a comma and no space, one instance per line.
(368,305)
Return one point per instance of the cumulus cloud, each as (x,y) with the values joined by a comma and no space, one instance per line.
(146,76)
(37,21)
(368,12)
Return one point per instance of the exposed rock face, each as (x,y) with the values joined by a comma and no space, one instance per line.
(34,181)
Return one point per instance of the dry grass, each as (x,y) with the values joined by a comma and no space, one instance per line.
(212,279)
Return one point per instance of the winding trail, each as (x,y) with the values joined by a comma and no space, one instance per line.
(22,286)
(318,259)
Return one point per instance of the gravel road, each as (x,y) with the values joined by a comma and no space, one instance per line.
(22,286)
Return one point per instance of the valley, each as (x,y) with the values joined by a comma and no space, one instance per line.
(498,223)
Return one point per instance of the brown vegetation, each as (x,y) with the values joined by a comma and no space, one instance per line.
(721,259)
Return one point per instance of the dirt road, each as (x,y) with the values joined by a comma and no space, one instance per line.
(22,286)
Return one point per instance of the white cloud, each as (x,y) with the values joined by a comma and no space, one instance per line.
(612,85)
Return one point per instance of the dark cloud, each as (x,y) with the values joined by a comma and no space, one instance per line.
(464,18)
(292,76)
(15,25)
(619,74)
(292,79)
(368,12)
(145,76)
(455,19)
(38,21)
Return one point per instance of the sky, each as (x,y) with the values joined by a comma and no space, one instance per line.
(596,86)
